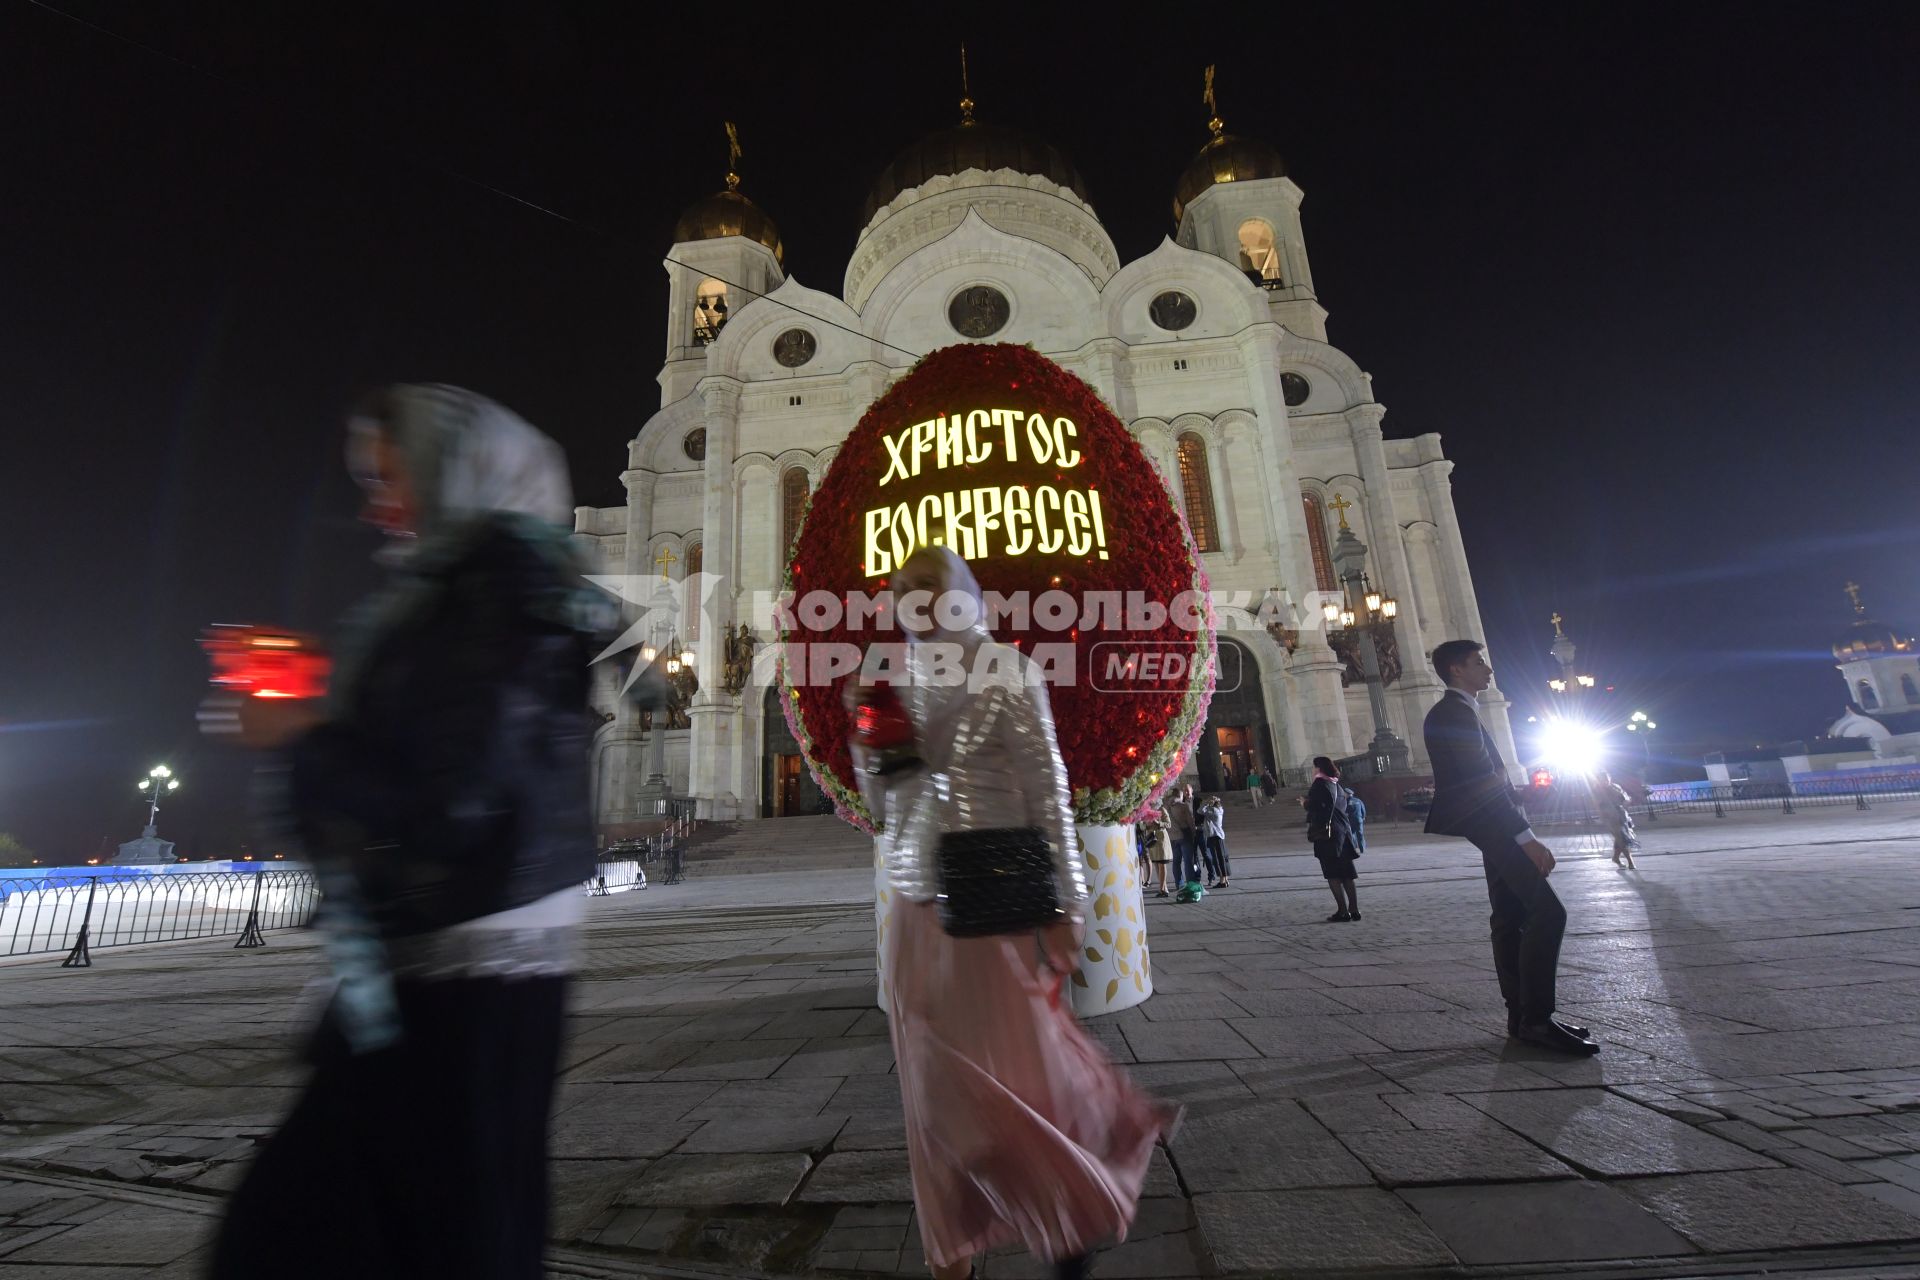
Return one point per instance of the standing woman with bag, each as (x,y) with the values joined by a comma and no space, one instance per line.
(1019,1128)
(1331,832)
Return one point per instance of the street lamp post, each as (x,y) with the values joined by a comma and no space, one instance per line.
(158,782)
(677,659)
(150,848)
(1640,723)
(1367,615)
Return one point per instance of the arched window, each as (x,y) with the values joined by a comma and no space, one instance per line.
(1908,691)
(709,311)
(1260,254)
(696,556)
(1323,579)
(1196,486)
(793,505)
(1868,698)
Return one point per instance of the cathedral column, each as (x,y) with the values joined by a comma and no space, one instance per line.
(621,745)
(1315,669)
(1419,687)
(1437,474)
(712,764)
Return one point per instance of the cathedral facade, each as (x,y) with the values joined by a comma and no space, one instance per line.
(1212,349)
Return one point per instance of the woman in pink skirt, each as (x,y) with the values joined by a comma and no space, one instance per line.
(1018,1127)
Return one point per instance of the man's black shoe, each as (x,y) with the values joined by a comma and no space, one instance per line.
(1513,1026)
(1338,917)
(1551,1035)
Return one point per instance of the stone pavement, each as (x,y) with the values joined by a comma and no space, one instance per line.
(1353,1107)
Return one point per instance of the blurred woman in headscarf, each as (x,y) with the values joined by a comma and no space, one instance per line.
(442,795)
(1019,1128)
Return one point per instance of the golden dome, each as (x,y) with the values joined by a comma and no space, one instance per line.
(728,213)
(970,146)
(1225,159)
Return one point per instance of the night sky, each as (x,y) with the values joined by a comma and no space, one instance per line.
(1649,271)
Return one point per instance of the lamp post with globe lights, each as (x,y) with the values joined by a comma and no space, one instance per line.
(158,782)
(1363,620)
(1644,725)
(150,848)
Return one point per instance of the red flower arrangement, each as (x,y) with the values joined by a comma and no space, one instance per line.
(1122,748)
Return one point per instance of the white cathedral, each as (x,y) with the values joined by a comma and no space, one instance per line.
(1212,349)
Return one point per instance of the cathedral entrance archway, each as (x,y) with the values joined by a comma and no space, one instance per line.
(1238,735)
(787,788)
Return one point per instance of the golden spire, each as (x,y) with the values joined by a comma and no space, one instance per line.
(1558,634)
(1340,505)
(733,157)
(966,91)
(1853,593)
(1213,107)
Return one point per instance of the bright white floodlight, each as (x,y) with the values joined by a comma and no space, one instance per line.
(1570,748)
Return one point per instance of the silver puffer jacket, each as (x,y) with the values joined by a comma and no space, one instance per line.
(990,760)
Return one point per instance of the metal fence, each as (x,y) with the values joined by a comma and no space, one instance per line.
(1784,797)
(78,913)
(1579,809)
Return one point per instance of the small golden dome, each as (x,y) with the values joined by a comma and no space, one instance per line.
(1225,158)
(970,146)
(728,213)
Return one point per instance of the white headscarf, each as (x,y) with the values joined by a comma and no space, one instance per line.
(470,461)
(469,458)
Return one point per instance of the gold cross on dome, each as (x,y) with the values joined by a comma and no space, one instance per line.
(665,560)
(1213,105)
(733,156)
(966,90)
(1853,593)
(1340,506)
(1557,620)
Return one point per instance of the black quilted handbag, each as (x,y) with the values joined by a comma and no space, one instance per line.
(995,881)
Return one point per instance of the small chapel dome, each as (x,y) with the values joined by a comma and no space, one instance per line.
(971,145)
(1225,158)
(1865,638)
(728,213)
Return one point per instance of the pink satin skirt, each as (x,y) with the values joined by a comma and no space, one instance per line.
(1018,1127)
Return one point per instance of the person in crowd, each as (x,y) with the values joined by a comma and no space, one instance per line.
(1472,797)
(1256,787)
(1617,811)
(1331,832)
(1019,1128)
(442,796)
(1159,840)
(1184,829)
(1213,828)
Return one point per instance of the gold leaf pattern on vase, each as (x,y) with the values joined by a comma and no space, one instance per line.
(1103,906)
(1093,955)
(1079,978)
(1126,942)
(1120,963)
(1106,936)
(1113,985)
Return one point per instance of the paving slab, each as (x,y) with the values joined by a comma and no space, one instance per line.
(1542,1222)
(763,1133)
(1769,1209)
(1609,1135)
(717,1180)
(1263,1146)
(1486,1154)
(1270,1233)
(860,1177)
(128,1235)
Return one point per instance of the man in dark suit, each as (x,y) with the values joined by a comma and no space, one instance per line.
(1473,798)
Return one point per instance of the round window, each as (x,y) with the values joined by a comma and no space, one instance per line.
(694,445)
(1295,388)
(979,311)
(794,348)
(1172,310)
